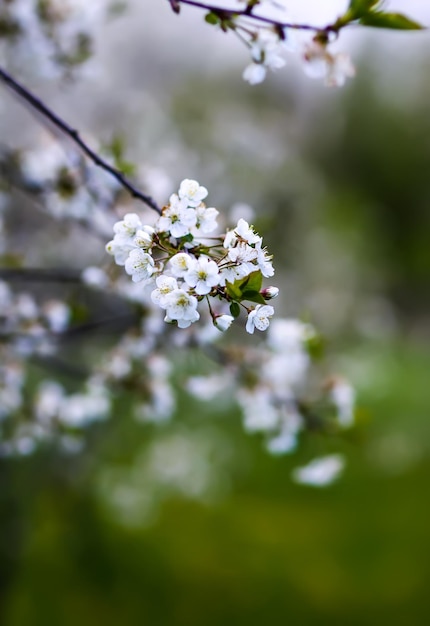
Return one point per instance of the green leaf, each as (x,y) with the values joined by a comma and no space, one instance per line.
(187,238)
(359,7)
(252,282)
(253,296)
(247,288)
(233,291)
(212,18)
(235,309)
(127,168)
(396,21)
(315,346)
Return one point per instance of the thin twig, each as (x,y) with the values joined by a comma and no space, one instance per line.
(43,275)
(105,326)
(247,12)
(60,367)
(39,106)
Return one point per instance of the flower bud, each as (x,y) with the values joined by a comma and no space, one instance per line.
(223,322)
(269,293)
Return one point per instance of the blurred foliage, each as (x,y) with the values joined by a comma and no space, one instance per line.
(344,188)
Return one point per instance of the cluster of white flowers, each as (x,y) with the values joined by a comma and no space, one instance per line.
(272,387)
(61,416)
(271,405)
(30,328)
(11,384)
(185,263)
(268,49)
(56,175)
(56,415)
(72,410)
(49,36)
(269,384)
(320,63)
(269,43)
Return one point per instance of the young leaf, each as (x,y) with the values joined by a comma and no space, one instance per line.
(253,296)
(187,238)
(249,285)
(396,21)
(252,282)
(359,7)
(233,290)
(315,346)
(212,18)
(235,309)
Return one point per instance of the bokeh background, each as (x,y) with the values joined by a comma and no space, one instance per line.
(193,522)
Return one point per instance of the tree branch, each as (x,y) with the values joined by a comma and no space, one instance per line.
(34,274)
(247,12)
(73,134)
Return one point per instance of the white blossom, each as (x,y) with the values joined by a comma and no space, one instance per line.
(26,307)
(50,395)
(266,50)
(208,387)
(80,409)
(289,335)
(242,253)
(205,220)
(94,277)
(285,440)
(203,275)
(177,218)
(119,365)
(57,315)
(264,260)
(11,384)
(254,73)
(165,286)
(242,231)
(120,248)
(182,307)
(128,226)
(320,63)
(181,263)
(160,406)
(192,192)
(143,238)
(139,265)
(259,318)
(343,397)
(258,410)
(235,272)
(223,322)
(320,472)
(286,371)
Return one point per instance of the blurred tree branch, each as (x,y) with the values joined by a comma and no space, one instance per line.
(229,14)
(73,134)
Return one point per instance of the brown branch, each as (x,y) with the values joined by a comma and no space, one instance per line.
(73,134)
